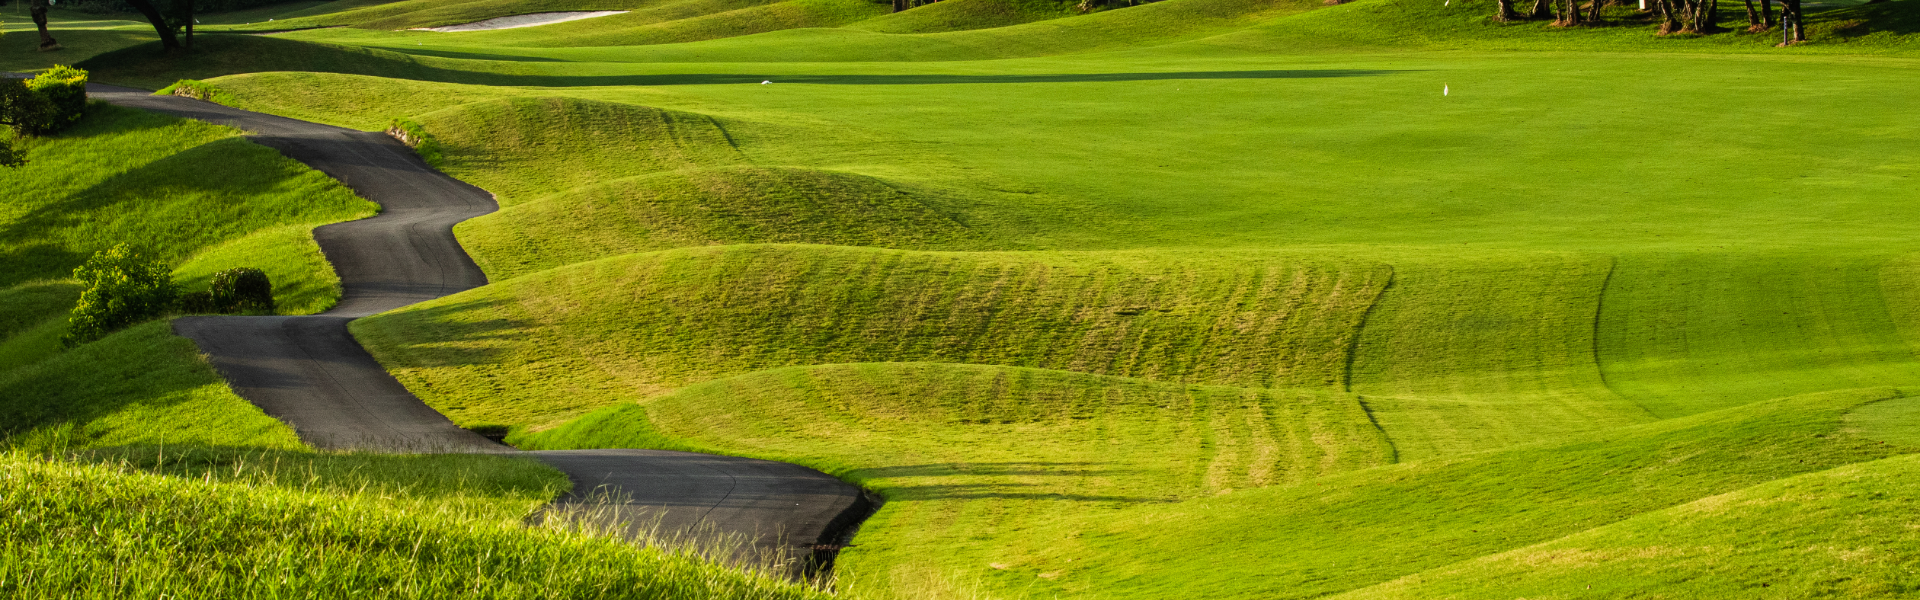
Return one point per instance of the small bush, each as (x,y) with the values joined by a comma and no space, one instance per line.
(242,290)
(65,90)
(198,303)
(121,288)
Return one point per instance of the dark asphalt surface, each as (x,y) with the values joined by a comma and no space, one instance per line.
(309,372)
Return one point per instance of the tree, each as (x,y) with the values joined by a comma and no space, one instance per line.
(1504,12)
(168,40)
(1790,23)
(38,8)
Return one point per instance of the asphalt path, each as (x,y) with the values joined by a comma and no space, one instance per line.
(309,371)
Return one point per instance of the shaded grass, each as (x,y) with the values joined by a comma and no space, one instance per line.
(167,186)
(140,386)
(542,348)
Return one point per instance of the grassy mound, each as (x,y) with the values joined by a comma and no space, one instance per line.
(104,532)
(962,15)
(1326,536)
(967,455)
(168,186)
(1841,533)
(510,146)
(541,348)
(139,386)
(699,207)
(33,315)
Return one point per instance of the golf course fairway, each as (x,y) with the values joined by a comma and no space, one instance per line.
(1189,298)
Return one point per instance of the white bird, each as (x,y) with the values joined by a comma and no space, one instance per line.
(1445,90)
(765,82)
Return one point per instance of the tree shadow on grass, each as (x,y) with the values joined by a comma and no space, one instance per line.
(218,55)
(63,399)
(995,490)
(50,240)
(462,333)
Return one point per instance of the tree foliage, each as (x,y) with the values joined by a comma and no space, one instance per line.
(121,288)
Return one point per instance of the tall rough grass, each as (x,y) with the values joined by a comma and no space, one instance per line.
(75,529)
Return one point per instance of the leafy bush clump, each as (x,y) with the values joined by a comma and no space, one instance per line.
(243,289)
(235,291)
(121,288)
(65,89)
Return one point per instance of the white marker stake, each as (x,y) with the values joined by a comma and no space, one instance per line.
(1445,90)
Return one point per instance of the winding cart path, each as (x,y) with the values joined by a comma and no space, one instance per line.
(309,372)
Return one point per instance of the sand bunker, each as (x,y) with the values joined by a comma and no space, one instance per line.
(518,21)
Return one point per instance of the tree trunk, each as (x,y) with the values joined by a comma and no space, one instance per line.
(1573,14)
(1541,10)
(1753,17)
(1669,16)
(39,10)
(1766,13)
(1790,31)
(1593,14)
(1505,12)
(167,39)
(1709,21)
(899,5)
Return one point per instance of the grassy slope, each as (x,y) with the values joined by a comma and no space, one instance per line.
(962,15)
(1475,353)
(1368,527)
(969,456)
(1846,532)
(139,386)
(542,348)
(171,188)
(1512,161)
(1302,538)
(103,532)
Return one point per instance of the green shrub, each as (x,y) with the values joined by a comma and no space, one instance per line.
(241,290)
(65,90)
(21,108)
(198,303)
(121,288)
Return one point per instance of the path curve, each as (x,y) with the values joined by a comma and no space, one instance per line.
(309,371)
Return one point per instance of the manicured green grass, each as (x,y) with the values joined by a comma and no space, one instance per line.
(970,456)
(1055,286)
(1845,532)
(539,349)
